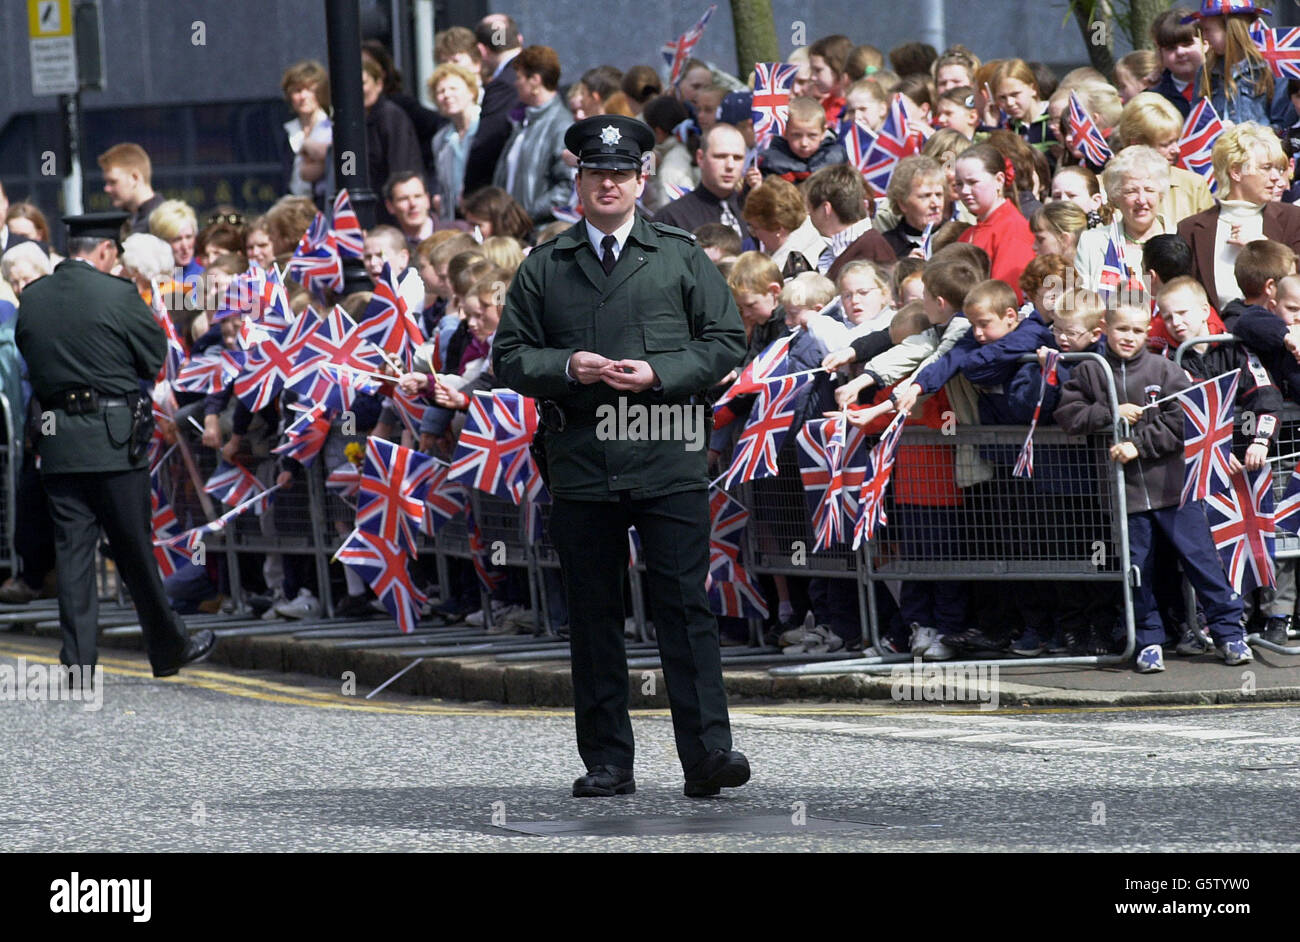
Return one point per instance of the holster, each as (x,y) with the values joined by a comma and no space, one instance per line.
(141,428)
(537,448)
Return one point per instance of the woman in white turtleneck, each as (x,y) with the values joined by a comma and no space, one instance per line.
(1252,171)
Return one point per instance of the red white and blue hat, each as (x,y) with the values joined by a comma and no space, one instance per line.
(1226,8)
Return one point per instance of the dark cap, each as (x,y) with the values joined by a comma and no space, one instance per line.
(609,142)
(96,225)
(736,107)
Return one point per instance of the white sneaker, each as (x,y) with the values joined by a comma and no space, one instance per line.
(304,606)
(821,640)
(938,651)
(475,619)
(271,614)
(795,635)
(506,622)
(520,618)
(922,638)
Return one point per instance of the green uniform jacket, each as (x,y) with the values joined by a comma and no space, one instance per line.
(76,328)
(664,303)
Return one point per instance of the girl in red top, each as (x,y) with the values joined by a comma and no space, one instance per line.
(984,178)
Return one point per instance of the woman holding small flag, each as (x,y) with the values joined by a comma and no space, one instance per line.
(1136,181)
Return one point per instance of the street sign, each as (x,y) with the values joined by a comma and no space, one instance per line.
(53,47)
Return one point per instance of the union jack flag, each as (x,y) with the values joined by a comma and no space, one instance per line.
(727,522)
(1201,129)
(492,452)
(394,482)
(273,363)
(1025,463)
(1084,135)
(335,341)
(348,235)
(858,141)
(773,414)
(1207,431)
(571,211)
(871,506)
(515,421)
(444,500)
(232,484)
(410,409)
(771,104)
(383,566)
(735,598)
(386,322)
(171,364)
(1241,522)
(1115,270)
(345,480)
(1286,516)
(209,371)
(821,468)
(272,307)
(1280,47)
(342,388)
(316,264)
(306,435)
(489,578)
(166,529)
(895,141)
(772,362)
(677,51)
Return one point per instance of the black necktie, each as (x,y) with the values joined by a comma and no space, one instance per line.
(607,259)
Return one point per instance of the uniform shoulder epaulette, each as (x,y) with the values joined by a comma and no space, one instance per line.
(668,230)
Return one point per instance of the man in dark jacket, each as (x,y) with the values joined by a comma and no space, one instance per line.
(499,43)
(619,315)
(89,342)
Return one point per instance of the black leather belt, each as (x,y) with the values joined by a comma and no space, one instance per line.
(75,401)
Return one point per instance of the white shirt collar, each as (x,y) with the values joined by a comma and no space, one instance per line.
(620,235)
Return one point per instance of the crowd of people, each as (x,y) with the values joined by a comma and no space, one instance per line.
(999,237)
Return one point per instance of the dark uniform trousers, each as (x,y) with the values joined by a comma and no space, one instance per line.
(119,501)
(591,540)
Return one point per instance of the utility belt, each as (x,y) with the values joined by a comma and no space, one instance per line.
(87,401)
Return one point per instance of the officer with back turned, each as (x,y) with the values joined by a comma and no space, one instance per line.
(89,341)
(618,308)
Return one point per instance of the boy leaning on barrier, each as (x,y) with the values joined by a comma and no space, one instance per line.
(1185,309)
(1084,619)
(1152,455)
(1268,322)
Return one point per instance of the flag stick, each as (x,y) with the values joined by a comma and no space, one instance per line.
(195,423)
(1212,379)
(394,677)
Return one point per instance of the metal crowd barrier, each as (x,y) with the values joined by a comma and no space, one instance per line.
(1066,523)
(1286,546)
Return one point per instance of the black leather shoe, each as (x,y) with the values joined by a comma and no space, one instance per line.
(197,648)
(604,781)
(972,640)
(720,770)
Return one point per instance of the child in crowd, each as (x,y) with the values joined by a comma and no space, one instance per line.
(1182,51)
(956,110)
(387,245)
(826,60)
(907,280)
(955,68)
(1152,456)
(865,298)
(1260,265)
(1015,87)
(718,241)
(1079,185)
(1235,76)
(803,298)
(867,103)
(985,186)
(1185,310)
(804,148)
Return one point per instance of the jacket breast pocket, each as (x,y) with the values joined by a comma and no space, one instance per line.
(665,338)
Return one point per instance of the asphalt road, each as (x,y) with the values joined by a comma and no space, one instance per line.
(217,760)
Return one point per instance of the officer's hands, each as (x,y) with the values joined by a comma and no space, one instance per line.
(587,368)
(629,375)
(413,383)
(837,358)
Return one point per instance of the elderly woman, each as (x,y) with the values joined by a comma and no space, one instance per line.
(777,216)
(455,91)
(1136,180)
(1251,169)
(918,194)
(22,264)
(147,261)
(175,223)
(1149,119)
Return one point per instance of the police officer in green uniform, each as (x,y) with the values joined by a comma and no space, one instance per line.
(618,308)
(89,340)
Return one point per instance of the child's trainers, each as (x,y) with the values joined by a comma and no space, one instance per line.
(1235,652)
(1150,659)
(1194,641)
(1029,644)
(1062,642)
